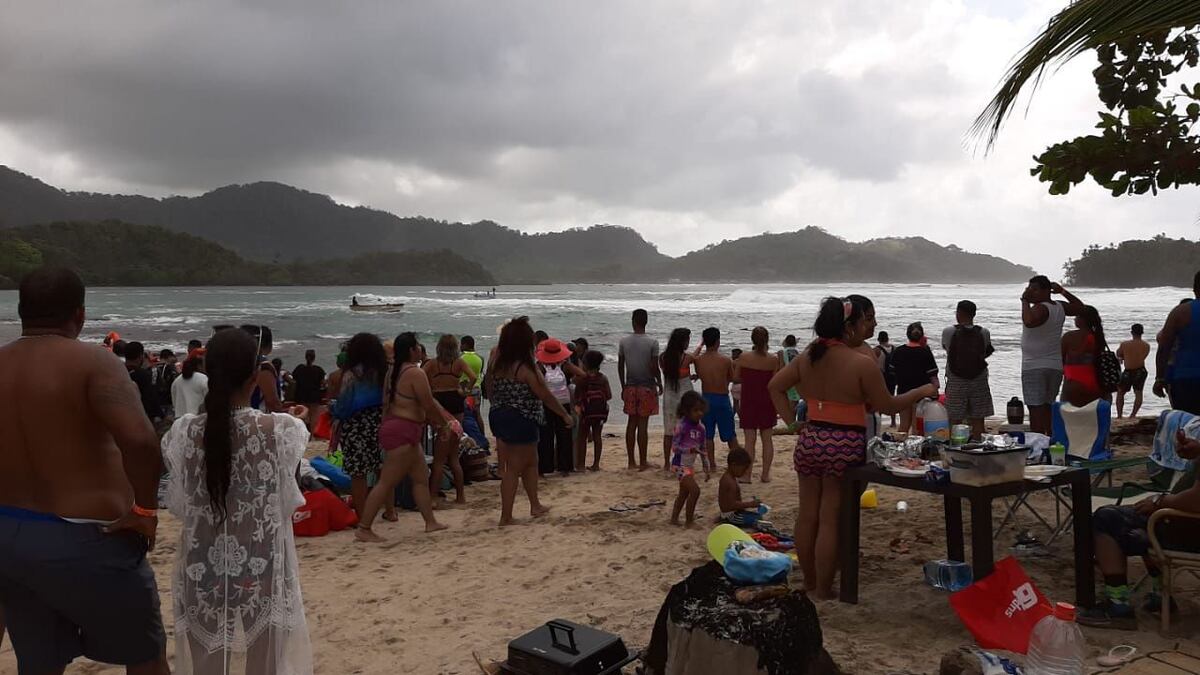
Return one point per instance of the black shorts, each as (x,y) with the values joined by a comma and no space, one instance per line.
(69,590)
(452,401)
(510,426)
(1128,528)
(1133,379)
(588,424)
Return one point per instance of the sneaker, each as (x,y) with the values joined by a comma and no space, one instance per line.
(1108,615)
(1153,604)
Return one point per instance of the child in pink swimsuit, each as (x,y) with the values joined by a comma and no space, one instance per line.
(686,444)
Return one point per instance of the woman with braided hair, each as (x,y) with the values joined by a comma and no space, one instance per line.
(232,485)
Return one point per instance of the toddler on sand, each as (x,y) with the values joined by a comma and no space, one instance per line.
(729,492)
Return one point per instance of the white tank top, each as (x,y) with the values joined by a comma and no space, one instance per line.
(1041,346)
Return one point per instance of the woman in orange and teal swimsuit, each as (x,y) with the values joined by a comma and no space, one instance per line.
(838,382)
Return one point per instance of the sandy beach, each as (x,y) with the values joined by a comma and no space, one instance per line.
(425,604)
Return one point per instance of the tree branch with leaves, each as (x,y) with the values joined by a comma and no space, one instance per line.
(1145,141)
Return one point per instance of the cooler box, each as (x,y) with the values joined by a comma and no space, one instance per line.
(562,647)
(973,465)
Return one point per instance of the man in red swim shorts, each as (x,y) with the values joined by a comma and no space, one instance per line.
(641,385)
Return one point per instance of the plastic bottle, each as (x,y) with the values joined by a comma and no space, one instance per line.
(948,575)
(1056,646)
(935,421)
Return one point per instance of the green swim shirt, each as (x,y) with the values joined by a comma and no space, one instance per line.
(475,362)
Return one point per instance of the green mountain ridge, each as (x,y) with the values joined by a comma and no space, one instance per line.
(113,253)
(779,257)
(272,222)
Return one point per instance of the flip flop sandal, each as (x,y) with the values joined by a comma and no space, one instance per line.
(1027,539)
(623,508)
(1117,656)
(773,532)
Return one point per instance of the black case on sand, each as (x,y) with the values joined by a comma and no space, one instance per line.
(562,647)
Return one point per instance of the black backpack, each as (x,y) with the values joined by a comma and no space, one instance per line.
(967,353)
(592,400)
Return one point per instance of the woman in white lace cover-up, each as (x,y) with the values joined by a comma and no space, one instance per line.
(236,584)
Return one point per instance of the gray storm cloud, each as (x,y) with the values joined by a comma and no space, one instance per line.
(714,119)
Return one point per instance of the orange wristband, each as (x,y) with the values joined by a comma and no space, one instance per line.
(145,513)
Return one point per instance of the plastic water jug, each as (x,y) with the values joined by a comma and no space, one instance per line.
(948,575)
(1056,646)
(935,422)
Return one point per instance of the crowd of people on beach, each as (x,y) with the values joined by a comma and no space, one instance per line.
(226,427)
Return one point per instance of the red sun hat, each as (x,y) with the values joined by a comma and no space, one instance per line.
(552,351)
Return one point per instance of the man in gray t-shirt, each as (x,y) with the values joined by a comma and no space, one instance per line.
(641,385)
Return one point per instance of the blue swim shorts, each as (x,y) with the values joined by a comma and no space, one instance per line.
(70,590)
(719,416)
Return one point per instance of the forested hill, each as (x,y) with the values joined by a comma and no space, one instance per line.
(1137,263)
(812,254)
(272,222)
(113,253)
(276,222)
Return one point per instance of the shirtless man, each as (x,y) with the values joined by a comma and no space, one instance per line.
(1133,353)
(716,373)
(79,468)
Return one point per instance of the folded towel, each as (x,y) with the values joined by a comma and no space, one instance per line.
(1169,423)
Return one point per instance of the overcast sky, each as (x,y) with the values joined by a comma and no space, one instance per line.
(691,122)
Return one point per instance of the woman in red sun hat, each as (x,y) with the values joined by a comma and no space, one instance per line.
(555,447)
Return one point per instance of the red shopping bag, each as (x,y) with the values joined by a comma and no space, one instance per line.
(1002,609)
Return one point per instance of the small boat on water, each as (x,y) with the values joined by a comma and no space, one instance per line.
(387,307)
(390,307)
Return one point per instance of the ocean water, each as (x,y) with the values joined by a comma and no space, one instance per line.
(320,317)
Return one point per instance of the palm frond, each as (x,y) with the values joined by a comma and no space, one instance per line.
(1082,26)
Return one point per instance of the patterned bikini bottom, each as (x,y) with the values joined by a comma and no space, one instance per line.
(827,450)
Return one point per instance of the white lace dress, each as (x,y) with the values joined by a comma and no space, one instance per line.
(236,584)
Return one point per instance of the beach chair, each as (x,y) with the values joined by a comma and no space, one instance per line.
(1158,480)
(1085,432)
(1164,468)
(1171,561)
